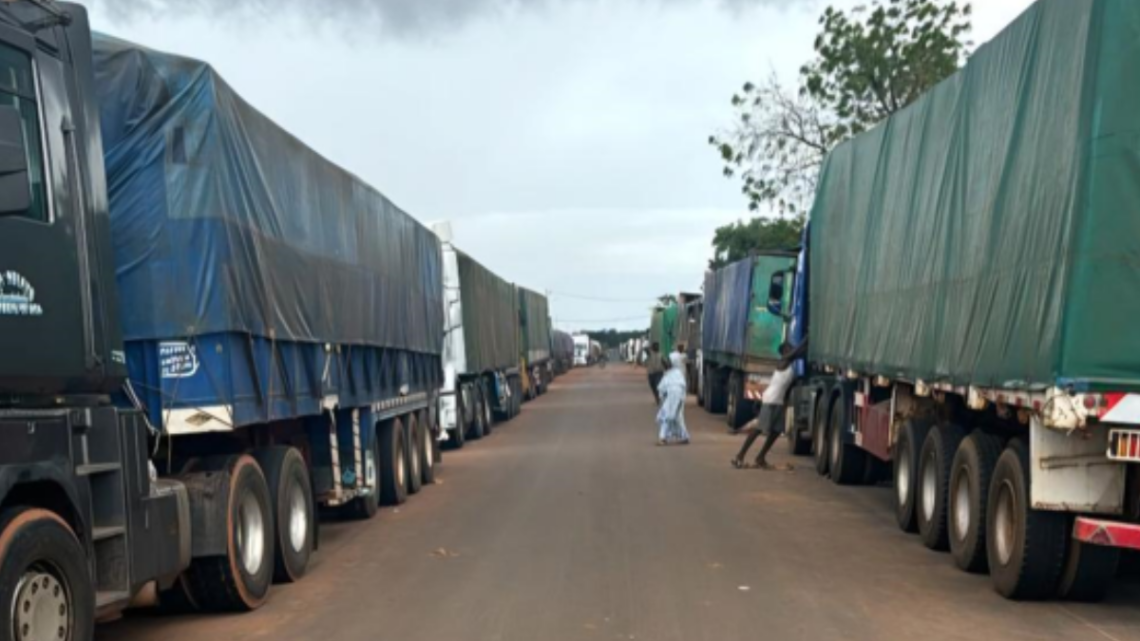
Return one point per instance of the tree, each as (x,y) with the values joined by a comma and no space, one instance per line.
(869,62)
(736,241)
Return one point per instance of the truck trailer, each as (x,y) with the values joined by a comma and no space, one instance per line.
(581,350)
(563,354)
(968,287)
(481,376)
(534,343)
(740,340)
(209,330)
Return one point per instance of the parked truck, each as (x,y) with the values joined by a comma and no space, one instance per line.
(663,327)
(534,343)
(563,354)
(581,350)
(968,286)
(270,344)
(481,376)
(740,339)
(690,309)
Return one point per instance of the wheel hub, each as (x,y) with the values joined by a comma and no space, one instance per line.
(41,608)
(902,478)
(1004,526)
(251,533)
(298,517)
(401,476)
(929,487)
(961,508)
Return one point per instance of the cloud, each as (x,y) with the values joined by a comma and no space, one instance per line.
(399,17)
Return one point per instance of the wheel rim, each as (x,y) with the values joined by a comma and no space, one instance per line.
(836,443)
(486,413)
(902,477)
(41,606)
(401,473)
(429,460)
(929,486)
(415,456)
(961,507)
(1004,523)
(251,533)
(298,517)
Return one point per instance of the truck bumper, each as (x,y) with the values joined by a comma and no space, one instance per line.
(1107,533)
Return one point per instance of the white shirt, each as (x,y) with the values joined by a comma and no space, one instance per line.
(778,388)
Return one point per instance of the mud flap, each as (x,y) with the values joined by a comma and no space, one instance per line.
(1071,473)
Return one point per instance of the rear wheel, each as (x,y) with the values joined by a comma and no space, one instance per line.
(846,461)
(44,579)
(240,580)
(1025,547)
(819,433)
(291,495)
(969,489)
(428,452)
(906,456)
(476,431)
(488,414)
(935,464)
(415,441)
(393,468)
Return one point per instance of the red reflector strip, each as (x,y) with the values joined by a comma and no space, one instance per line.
(1107,533)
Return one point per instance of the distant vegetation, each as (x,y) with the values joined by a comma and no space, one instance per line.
(612,338)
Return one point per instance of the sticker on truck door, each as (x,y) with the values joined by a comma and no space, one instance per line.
(178,359)
(17,296)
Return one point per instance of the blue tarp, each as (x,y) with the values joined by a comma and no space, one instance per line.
(728,292)
(225,223)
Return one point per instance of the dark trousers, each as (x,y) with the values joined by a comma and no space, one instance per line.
(654,381)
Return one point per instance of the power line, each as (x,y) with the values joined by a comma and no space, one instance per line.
(602,320)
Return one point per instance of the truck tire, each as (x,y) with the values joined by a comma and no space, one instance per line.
(415,442)
(44,580)
(1089,571)
(935,463)
(488,414)
(846,462)
(1025,547)
(294,516)
(428,446)
(475,432)
(819,432)
(905,455)
(740,410)
(969,493)
(700,390)
(392,467)
(240,580)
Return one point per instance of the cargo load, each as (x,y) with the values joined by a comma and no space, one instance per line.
(986,235)
(663,327)
(534,315)
(256,277)
(489,317)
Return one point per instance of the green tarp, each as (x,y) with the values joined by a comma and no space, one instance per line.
(490,321)
(662,328)
(534,316)
(989,233)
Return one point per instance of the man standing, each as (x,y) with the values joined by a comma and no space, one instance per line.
(655,366)
(771,419)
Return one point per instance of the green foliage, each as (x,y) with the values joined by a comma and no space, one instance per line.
(612,338)
(869,62)
(736,241)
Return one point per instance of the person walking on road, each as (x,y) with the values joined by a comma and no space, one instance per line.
(655,366)
(771,418)
(671,414)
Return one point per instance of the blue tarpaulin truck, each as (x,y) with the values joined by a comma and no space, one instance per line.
(208,330)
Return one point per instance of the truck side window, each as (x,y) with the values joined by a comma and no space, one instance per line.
(18,89)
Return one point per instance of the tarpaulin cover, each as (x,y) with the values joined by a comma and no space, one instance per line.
(490,317)
(728,292)
(663,327)
(534,314)
(563,346)
(224,222)
(988,234)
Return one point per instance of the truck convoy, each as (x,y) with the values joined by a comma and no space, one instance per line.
(209,331)
(740,340)
(481,375)
(968,287)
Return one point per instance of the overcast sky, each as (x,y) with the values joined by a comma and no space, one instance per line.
(565,139)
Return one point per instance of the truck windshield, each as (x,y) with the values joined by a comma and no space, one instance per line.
(18,89)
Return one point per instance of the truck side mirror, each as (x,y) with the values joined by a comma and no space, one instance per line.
(776,295)
(15,190)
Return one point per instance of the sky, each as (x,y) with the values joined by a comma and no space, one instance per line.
(565,140)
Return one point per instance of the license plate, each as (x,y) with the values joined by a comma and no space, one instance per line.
(1124,445)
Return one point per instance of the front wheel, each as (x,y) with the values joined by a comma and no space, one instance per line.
(44,578)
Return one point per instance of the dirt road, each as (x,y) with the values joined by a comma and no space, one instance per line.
(568,523)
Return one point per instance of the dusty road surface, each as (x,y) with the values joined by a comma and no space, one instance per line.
(568,523)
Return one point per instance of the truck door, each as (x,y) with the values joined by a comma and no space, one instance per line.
(48,272)
(767,331)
